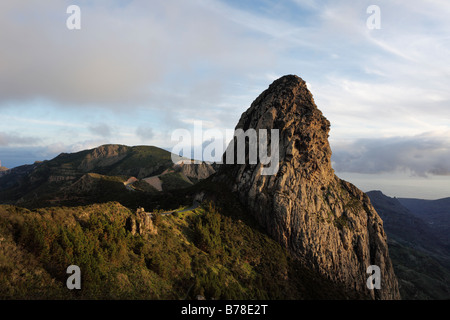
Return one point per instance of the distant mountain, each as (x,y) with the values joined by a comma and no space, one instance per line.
(436,213)
(401,222)
(104,172)
(421,260)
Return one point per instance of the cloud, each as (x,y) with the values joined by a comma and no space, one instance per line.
(7,139)
(372,107)
(124,56)
(145,133)
(101,130)
(422,155)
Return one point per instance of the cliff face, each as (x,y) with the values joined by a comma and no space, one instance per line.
(328,223)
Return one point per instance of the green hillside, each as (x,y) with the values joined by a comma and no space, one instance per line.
(90,176)
(216,251)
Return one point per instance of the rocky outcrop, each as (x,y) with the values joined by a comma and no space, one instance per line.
(326,222)
(141,223)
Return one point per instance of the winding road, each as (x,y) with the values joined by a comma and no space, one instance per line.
(194,206)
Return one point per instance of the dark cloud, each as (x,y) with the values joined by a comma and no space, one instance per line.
(425,154)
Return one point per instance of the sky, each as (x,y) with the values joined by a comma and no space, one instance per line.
(138,70)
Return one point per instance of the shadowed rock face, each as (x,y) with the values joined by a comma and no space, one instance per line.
(195,171)
(326,222)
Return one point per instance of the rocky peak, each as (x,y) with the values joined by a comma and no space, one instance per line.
(326,222)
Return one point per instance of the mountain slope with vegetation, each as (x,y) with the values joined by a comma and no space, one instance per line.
(216,251)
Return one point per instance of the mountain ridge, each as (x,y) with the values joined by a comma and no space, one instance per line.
(112,165)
